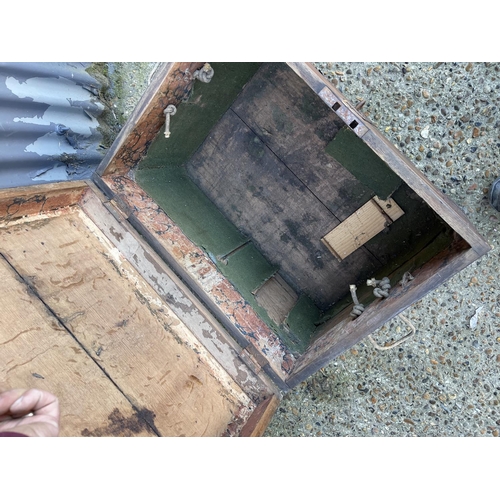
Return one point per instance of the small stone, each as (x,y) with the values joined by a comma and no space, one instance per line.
(427,396)
(408,421)
(471,188)
(475,132)
(468,68)
(498,358)
(421,148)
(425,94)
(434,362)
(495,433)
(465,118)
(425,132)
(449,163)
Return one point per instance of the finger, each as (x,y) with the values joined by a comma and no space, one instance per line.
(37,401)
(32,426)
(7,398)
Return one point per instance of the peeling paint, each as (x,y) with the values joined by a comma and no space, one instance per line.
(194,260)
(49,123)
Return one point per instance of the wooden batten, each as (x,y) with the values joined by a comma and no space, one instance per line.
(31,200)
(369,220)
(261,417)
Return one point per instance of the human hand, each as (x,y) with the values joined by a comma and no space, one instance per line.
(32,412)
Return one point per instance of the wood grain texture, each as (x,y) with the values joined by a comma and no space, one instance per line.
(37,351)
(256,191)
(277,297)
(297,126)
(122,323)
(361,227)
(30,200)
(260,418)
(176,294)
(171,84)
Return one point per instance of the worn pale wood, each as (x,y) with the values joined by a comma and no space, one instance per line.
(277,297)
(260,418)
(37,351)
(171,84)
(390,207)
(30,200)
(361,226)
(143,347)
(439,202)
(176,294)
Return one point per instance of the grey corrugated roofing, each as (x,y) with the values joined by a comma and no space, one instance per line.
(48,123)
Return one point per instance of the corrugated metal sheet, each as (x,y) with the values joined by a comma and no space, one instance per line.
(48,123)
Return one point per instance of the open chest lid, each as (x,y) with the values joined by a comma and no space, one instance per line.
(247,199)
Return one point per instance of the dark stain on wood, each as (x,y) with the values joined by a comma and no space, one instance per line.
(22,201)
(122,426)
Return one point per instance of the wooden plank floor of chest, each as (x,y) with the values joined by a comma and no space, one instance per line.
(198,277)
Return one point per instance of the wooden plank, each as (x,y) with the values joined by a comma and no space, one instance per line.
(260,418)
(177,295)
(37,351)
(143,346)
(297,126)
(171,84)
(277,297)
(440,203)
(264,199)
(369,220)
(30,200)
(345,334)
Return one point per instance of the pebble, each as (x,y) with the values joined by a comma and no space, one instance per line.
(425,94)
(475,132)
(425,132)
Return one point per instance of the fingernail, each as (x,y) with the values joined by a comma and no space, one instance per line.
(16,403)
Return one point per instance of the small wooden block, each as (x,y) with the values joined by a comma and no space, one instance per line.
(390,207)
(277,297)
(372,218)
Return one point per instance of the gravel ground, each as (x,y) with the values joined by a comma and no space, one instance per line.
(445,381)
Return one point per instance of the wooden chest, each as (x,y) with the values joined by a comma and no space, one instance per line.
(197,277)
